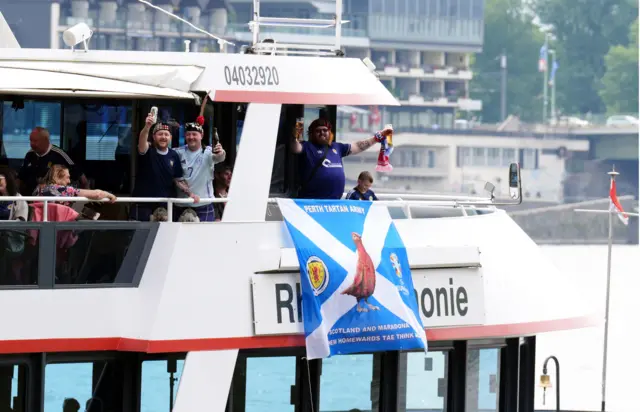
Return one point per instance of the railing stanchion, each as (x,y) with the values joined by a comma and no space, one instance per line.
(45,212)
(170,210)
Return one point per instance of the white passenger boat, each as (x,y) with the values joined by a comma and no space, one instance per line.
(224,296)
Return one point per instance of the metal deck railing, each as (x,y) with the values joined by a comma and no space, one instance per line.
(404,201)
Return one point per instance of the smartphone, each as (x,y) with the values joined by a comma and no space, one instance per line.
(154,113)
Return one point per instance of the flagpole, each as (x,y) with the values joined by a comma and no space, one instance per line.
(546,79)
(613,175)
(553,87)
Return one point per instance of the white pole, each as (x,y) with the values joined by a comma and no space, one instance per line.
(613,174)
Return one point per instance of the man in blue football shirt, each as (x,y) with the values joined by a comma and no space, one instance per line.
(320,161)
(159,170)
(363,190)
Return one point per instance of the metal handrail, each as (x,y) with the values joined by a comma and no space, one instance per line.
(425,201)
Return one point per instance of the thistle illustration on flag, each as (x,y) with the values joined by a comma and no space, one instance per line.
(614,204)
(357,290)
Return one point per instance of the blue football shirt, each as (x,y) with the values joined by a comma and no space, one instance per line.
(329,180)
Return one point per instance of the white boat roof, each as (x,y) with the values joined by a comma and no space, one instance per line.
(228,77)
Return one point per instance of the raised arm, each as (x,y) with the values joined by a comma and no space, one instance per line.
(362,145)
(296,146)
(143,138)
(219,154)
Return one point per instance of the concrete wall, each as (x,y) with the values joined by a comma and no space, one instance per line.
(30,21)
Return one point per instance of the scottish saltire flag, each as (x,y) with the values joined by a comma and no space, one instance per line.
(357,291)
(542,60)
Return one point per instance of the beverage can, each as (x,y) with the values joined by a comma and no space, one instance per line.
(389,134)
(154,113)
(299,130)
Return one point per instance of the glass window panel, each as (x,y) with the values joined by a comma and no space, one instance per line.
(426,381)
(508,156)
(13,395)
(18,257)
(529,158)
(98,256)
(493,156)
(155,389)
(67,380)
(269,383)
(479,157)
(20,117)
(483,368)
(345,383)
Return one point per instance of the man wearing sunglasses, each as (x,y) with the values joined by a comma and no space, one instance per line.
(320,161)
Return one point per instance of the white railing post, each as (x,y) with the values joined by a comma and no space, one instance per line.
(45,212)
(170,210)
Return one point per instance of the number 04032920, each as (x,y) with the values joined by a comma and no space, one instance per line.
(251,75)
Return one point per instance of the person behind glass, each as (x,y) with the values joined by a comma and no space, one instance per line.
(40,158)
(197,164)
(221,182)
(57,182)
(320,160)
(159,170)
(11,210)
(363,190)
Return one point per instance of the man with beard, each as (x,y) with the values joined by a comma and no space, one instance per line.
(320,160)
(159,170)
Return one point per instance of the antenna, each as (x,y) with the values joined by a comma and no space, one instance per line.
(272,47)
(220,40)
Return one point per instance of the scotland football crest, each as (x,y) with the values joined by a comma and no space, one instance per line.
(355,278)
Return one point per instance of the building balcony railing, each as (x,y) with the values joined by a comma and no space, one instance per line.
(426,71)
(362,25)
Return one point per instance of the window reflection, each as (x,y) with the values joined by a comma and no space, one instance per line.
(426,387)
(345,383)
(483,366)
(98,256)
(19,117)
(269,382)
(18,257)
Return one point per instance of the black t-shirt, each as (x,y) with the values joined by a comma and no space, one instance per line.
(156,174)
(35,167)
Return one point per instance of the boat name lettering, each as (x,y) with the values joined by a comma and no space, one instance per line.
(284,301)
(438,302)
(251,75)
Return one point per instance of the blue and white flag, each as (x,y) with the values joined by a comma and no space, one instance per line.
(357,291)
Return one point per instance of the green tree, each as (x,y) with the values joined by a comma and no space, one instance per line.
(510,29)
(585,30)
(620,82)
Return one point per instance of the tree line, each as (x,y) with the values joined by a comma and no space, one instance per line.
(596,46)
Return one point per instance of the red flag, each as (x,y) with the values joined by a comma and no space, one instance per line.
(615,204)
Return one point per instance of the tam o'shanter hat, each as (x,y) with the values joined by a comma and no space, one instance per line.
(161,126)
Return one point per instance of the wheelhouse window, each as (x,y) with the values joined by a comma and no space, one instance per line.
(346,383)
(159,387)
(483,380)
(426,380)
(13,386)
(269,382)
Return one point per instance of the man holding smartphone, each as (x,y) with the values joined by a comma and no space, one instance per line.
(159,168)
